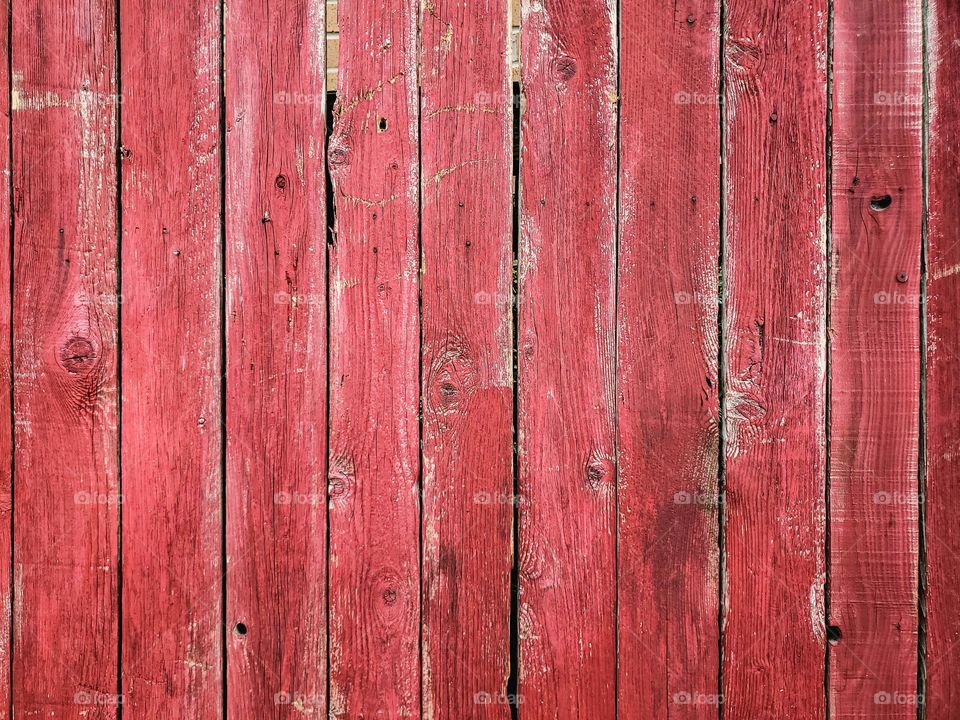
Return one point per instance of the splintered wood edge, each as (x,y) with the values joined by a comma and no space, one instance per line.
(333,43)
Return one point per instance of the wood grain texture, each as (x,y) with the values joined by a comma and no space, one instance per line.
(875,358)
(774,359)
(6,386)
(942,532)
(374,576)
(466,180)
(276,358)
(566,361)
(64,107)
(667,384)
(171,331)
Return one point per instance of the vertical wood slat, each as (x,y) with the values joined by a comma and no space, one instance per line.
(875,358)
(942,532)
(668,401)
(6,374)
(64,108)
(467,393)
(276,357)
(566,360)
(171,365)
(374,515)
(774,358)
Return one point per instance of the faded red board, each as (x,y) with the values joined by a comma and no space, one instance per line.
(276,359)
(171,333)
(6,391)
(668,402)
(775,283)
(467,359)
(942,531)
(374,576)
(875,358)
(65,360)
(566,358)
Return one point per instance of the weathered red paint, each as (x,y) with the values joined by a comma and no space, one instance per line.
(667,384)
(566,361)
(774,343)
(467,338)
(875,358)
(171,334)
(942,531)
(374,366)
(276,358)
(64,108)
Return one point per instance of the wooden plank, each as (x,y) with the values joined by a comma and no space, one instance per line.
(566,359)
(6,386)
(774,359)
(171,330)
(374,517)
(466,180)
(64,107)
(942,532)
(668,401)
(276,358)
(875,358)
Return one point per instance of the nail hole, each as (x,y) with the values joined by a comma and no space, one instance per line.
(880,202)
(833,634)
(241,629)
(382,124)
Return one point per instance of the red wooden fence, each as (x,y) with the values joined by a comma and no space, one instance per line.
(610,369)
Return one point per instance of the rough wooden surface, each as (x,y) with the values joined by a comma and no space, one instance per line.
(875,358)
(566,360)
(171,366)
(174,342)
(667,384)
(942,531)
(64,109)
(467,340)
(374,367)
(775,276)
(276,359)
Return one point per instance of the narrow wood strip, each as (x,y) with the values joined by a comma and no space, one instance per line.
(375,366)
(875,358)
(466,181)
(276,359)
(774,366)
(64,108)
(668,401)
(566,357)
(942,531)
(171,329)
